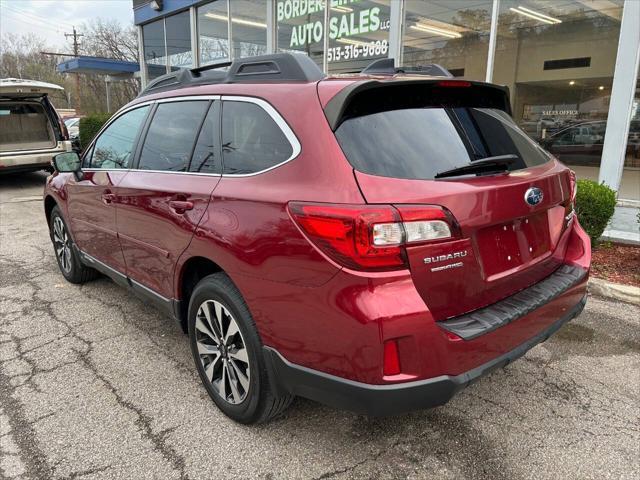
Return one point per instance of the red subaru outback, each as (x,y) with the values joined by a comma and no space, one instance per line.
(375,242)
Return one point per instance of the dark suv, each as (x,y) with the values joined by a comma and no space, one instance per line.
(375,242)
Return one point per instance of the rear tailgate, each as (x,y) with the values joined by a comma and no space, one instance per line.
(399,136)
(506,245)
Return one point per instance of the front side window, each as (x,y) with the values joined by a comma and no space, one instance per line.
(173,130)
(251,140)
(114,147)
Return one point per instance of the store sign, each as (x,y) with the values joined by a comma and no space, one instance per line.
(560,113)
(342,24)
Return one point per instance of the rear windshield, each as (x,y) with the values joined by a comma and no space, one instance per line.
(418,143)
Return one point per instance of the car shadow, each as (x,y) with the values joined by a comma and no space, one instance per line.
(24,179)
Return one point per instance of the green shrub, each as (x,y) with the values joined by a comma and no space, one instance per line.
(595,204)
(89,127)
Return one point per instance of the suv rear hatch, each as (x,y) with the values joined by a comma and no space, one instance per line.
(27,119)
(399,135)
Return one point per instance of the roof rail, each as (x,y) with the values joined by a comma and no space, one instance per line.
(386,66)
(279,67)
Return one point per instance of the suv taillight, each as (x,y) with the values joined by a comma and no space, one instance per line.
(63,129)
(371,237)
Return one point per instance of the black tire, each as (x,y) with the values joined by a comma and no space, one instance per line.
(261,401)
(72,269)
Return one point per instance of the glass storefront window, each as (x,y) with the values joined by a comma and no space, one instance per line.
(154,49)
(301,27)
(249,27)
(558,58)
(178,33)
(358,34)
(632,158)
(213,32)
(451,33)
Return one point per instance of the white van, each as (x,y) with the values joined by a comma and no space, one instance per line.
(31,131)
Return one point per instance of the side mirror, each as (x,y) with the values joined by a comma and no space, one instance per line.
(67,162)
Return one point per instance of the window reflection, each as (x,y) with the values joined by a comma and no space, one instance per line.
(178,29)
(213,32)
(249,27)
(452,33)
(358,34)
(558,60)
(154,49)
(301,28)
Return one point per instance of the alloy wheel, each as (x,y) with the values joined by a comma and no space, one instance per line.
(62,244)
(222,351)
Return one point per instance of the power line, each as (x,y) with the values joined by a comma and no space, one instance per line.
(16,17)
(33,16)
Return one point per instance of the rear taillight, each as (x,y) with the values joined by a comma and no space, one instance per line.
(371,237)
(63,129)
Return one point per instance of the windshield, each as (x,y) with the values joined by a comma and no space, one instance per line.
(70,122)
(418,143)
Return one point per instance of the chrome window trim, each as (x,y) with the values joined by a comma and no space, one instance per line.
(149,171)
(266,106)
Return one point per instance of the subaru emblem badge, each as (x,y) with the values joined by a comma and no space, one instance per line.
(533,196)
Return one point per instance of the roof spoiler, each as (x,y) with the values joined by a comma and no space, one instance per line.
(279,67)
(372,95)
(386,66)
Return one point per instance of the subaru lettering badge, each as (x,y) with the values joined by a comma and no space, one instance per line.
(533,196)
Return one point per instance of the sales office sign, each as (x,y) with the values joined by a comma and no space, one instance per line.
(346,20)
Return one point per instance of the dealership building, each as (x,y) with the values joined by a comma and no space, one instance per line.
(571,65)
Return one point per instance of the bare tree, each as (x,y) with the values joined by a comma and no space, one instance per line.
(21,57)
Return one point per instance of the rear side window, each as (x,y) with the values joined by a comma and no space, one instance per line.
(251,140)
(418,143)
(171,135)
(114,147)
(206,155)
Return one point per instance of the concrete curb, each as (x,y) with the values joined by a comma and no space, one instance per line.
(615,291)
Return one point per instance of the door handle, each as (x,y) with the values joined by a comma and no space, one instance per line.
(180,206)
(108,197)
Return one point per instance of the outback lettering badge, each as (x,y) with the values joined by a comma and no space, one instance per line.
(444,258)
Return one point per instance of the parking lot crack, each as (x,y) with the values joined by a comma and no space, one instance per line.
(143,421)
(30,453)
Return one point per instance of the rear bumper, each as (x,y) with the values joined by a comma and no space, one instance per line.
(31,160)
(377,400)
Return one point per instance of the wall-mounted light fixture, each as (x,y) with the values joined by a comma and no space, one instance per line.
(156,5)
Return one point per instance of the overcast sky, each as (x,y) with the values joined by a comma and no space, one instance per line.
(50,19)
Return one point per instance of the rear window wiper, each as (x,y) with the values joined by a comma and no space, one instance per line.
(498,163)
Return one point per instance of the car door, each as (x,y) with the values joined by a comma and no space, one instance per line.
(162,200)
(92,195)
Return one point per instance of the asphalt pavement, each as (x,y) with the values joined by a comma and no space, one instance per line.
(96,384)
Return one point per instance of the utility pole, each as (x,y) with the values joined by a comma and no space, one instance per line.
(76,52)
